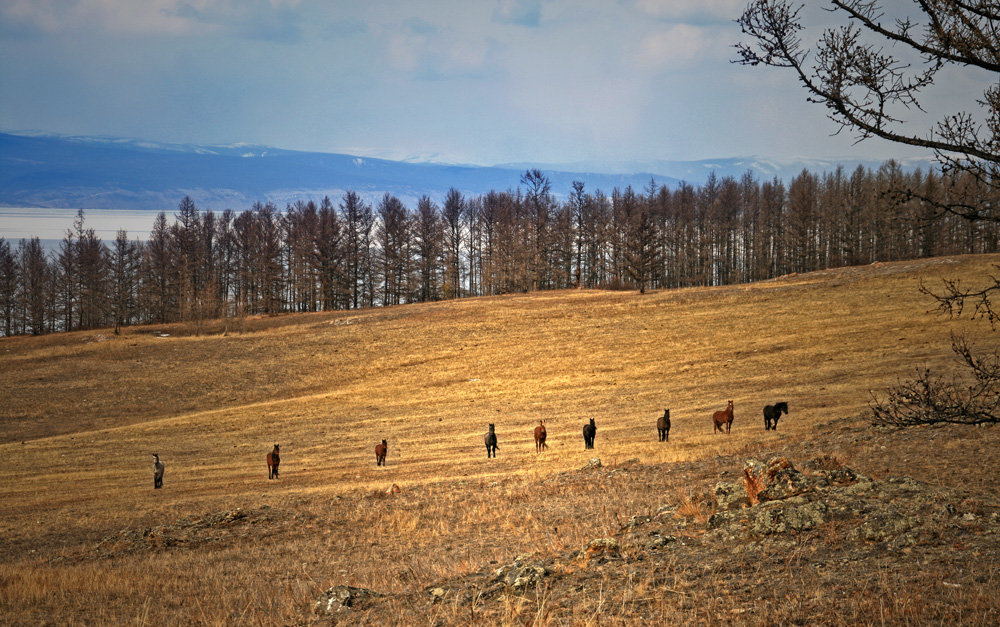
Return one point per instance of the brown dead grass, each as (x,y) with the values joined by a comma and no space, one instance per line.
(81,413)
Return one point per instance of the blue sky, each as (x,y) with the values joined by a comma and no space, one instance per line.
(482,82)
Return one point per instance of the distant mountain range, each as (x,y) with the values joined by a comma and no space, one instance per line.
(114,173)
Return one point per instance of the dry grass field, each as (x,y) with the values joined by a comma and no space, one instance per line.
(84,538)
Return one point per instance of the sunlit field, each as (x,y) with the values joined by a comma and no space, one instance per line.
(84,538)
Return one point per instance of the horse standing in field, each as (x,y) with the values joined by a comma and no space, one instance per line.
(273,459)
(723,417)
(540,436)
(491,442)
(663,426)
(380,451)
(772,413)
(158,467)
(589,431)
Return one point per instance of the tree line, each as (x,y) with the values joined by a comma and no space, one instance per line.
(356,254)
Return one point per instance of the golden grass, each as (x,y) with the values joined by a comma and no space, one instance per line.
(81,414)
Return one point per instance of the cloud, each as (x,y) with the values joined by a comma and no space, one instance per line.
(274,20)
(689,10)
(171,17)
(430,52)
(519,12)
(675,48)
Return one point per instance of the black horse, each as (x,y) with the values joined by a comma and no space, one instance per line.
(771,415)
(589,431)
(663,426)
(491,442)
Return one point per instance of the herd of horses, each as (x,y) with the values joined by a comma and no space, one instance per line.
(723,417)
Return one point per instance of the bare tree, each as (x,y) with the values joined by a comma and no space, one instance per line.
(9,281)
(428,233)
(867,91)
(452,214)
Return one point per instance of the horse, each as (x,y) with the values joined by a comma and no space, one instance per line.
(589,431)
(380,451)
(772,413)
(663,426)
(724,416)
(158,467)
(491,442)
(273,459)
(540,435)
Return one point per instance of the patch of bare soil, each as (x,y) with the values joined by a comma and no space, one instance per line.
(212,529)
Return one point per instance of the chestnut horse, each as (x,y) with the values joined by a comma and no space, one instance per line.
(380,451)
(771,415)
(158,467)
(273,459)
(540,437)
(589,432)
(491,442)
(663,426)
(723,417)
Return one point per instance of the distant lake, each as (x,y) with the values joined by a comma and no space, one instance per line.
(50,225)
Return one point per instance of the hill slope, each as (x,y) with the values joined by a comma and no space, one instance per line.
(96,173)
(84,537)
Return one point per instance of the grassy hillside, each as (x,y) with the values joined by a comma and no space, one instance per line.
(85,538)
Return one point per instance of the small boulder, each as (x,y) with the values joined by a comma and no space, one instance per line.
(601,547)
(595,462)
(521,575)
(774,480)
(658,540)
(729,496)
(782,518)
(344,598)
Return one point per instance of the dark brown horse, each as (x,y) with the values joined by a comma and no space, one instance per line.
(540,436)
(589,432)
(380,451)
(724,417)
(663,426)
(491,442)
(158,468)
(273,459)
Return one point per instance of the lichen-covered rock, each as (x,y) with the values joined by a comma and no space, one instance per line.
(884,526)
(782,517)
(595,462)
(344,598)
(729,496)
(604,547)
(773,480)
(521,574)
(666,511)
(658,540)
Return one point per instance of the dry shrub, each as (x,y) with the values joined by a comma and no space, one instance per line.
(695,508)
